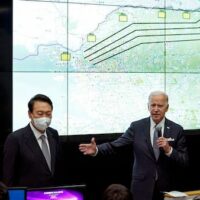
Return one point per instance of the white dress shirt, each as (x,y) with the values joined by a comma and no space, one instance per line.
(37,135)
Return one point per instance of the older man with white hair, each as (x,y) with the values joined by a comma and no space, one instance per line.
(158,146)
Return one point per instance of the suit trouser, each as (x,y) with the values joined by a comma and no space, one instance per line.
(157,195)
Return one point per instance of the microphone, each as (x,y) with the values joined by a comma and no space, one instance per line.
(159,131)
(159,134)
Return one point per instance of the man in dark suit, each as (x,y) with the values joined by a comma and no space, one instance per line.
(151,172)
(24,163)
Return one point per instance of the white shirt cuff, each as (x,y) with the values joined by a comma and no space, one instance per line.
(96,152)
(169,153)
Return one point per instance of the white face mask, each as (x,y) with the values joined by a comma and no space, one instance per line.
(42,123)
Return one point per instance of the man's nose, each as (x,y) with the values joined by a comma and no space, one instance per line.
(156,108)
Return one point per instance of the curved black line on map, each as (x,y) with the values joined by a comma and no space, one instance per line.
(37,51)
(143,23)
(164,41)
(140,36)
(137,31)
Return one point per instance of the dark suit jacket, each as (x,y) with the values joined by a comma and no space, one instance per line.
(145,166)
(24,163)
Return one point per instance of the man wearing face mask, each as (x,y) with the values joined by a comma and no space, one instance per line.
(31,153)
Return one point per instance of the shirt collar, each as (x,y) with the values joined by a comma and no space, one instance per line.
(160,124)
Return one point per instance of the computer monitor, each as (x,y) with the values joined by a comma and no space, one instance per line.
(73,192)
(17,193)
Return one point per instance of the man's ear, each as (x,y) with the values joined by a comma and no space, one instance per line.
(148,106)
(29,114)
(167,107)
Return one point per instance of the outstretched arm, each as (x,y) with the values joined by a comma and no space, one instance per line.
(89,149)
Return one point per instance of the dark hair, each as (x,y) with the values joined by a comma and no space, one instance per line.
(117,192)
(39,97)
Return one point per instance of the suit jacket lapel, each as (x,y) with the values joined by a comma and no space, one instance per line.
(34,146)
(148,138)
(31,141)
(167,130)
(52,147)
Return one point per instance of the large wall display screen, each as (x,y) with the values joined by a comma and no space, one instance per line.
(99,60)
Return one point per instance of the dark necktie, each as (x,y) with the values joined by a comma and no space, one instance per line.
(157,133)
(45,151)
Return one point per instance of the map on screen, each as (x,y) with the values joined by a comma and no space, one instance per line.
(98,60)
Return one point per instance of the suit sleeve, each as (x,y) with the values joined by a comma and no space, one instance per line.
(124,140)
(11,149)
(180,154)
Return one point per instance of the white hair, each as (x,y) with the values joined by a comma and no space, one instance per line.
(157,93)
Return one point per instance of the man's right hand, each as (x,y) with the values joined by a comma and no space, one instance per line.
(89,149)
